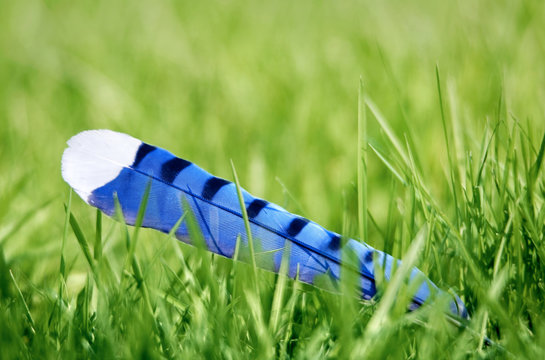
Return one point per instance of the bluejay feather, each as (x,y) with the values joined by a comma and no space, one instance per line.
(101,163)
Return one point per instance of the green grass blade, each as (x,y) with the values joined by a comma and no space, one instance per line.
(362,164)
(27,310)
(276,307)
(97,251)
(536,167)
(246,226)
(452,168)
(82,241)
(388,165)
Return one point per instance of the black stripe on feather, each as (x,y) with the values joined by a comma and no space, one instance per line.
(143,150)
(255,207)
(171,168)
(335,242)
(212,186)
(296,225)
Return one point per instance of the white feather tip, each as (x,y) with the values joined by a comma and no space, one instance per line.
(93,158)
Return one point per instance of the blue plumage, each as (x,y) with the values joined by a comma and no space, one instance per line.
(101,163)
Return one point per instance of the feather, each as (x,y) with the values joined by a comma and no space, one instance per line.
(99,164)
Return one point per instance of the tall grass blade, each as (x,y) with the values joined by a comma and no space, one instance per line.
(246,226)
(362,164)
(28,315)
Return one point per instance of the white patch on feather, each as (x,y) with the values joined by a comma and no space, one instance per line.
(96,157)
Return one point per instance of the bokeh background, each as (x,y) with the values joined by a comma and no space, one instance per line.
(271,85)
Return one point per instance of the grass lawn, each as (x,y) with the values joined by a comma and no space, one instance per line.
(440,151)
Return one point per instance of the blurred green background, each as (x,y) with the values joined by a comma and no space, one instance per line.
(273,86)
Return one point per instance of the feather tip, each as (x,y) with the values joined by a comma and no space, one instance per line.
(83,162)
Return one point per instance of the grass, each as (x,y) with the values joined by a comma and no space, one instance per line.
(445,170)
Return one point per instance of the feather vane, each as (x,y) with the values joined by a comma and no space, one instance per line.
(102,164)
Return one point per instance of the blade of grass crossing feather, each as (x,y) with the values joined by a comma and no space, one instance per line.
(131,257)
(136,268)
(362,164)
(157,255)
(350,297)
(172,232)
(140,218)
(276,307)
(193,228)
(233,274)
(197,239)
(389,298)
(27,310)
(405,294)
(135,264)
(246,225)
(447,142)
(124,230)
(382,315)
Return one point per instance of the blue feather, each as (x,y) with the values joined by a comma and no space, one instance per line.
(101,163)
